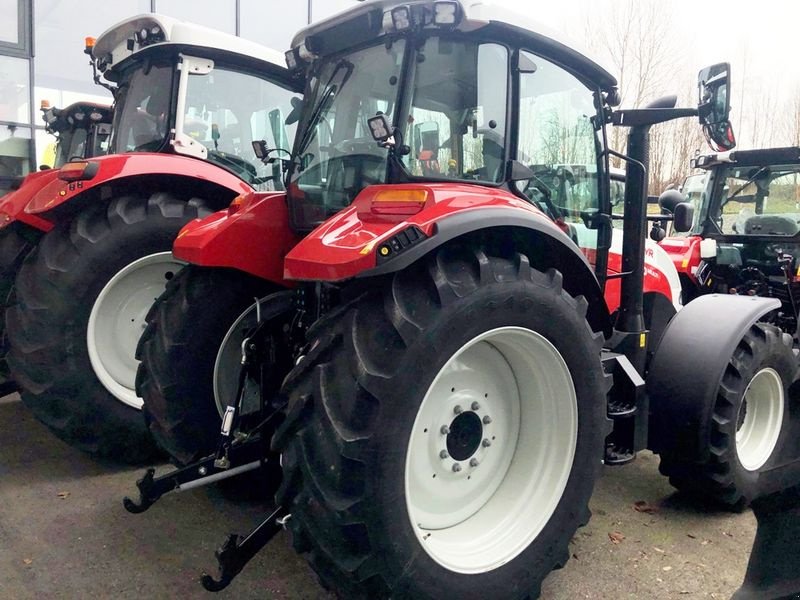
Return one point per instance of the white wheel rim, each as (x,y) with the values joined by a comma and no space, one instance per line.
(228,364)
(760,425)
(481,517)
(118,319)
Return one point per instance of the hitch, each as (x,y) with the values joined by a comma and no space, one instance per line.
(236,551)
(247,456)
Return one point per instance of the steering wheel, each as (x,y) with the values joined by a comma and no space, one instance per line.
(753,282)
(237,163)
(362,145)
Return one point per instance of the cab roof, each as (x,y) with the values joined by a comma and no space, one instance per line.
(478,14)
(120,42)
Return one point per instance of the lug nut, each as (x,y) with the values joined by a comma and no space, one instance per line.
(475,406)
(443,454)
(456,468)
(457,409)
(473,462)
(487,419)
(444,430)
(486,442)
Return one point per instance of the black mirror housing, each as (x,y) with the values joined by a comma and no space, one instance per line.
(683,217)
(669,199)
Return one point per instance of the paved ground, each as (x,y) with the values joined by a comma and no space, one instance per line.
(64,534)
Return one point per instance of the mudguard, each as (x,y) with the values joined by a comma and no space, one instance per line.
(689,363)
(253,238)
(115,168)
(348,245)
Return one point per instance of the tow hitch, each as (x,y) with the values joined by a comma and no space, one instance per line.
(238,451)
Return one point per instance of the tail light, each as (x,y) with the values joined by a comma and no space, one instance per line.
(78,171)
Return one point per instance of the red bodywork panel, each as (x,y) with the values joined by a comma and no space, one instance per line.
(115,167)
(654,280)
(254,239)
(685,254)
(13,204)
(345,245)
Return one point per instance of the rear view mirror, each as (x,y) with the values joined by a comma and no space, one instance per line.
(683,217)
(714,106)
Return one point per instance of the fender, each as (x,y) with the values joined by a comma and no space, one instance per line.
(682,382)
(14,203)
(117,168)
(251,236)
(347,245)
(684,253)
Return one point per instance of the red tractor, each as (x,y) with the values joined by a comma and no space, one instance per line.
(457,378)
(92,248)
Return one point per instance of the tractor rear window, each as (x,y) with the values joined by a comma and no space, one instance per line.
(142,116)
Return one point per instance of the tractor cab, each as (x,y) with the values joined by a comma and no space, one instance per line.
(746,235)
(82,130)
(184,89)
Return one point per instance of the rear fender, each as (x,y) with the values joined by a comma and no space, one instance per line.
(135,170)
(254,238)
(12,205)
(689,363)
(348,245)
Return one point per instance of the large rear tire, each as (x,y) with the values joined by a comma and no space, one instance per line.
(190,355)
(78,310)
(444,432)
(14,247)
(746,422)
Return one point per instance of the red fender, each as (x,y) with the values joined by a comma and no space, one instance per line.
(347,243)
(117,167)
(253,235)
(685,254)
(13,204)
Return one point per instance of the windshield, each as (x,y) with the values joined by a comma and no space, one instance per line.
(227,110)
(143,107)
(336,157)
(759,201)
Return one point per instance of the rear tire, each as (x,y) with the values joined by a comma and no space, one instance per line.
(13,250)
(745,423)
(186,328)
(362,432)
(72,367)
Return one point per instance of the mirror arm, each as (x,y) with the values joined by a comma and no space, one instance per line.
(638,117)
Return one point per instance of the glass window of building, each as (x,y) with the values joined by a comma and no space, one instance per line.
(217,14)
(14,90)
(15,147)
(258,22)
(9,24)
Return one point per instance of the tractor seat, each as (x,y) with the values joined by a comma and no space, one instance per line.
(770,225)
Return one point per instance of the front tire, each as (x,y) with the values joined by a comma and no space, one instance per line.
(746,422)
(444,432)
(79,307)
(190,355)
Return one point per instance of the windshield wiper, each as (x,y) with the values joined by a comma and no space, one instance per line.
(740,189)
(328,93)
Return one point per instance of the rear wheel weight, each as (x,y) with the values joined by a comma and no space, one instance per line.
(403,390)
(746,422)
(70,325)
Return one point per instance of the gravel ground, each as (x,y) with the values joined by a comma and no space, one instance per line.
(64,534)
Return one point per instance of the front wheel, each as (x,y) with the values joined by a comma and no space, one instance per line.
(745,422)
(78,311)
(444,432)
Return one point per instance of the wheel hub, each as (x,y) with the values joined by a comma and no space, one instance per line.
(466,433)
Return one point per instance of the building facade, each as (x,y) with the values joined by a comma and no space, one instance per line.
(41,54)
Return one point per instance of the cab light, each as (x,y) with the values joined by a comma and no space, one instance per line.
(291,59)
(78,171)
(304,52)
(398,202)
(445,13)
